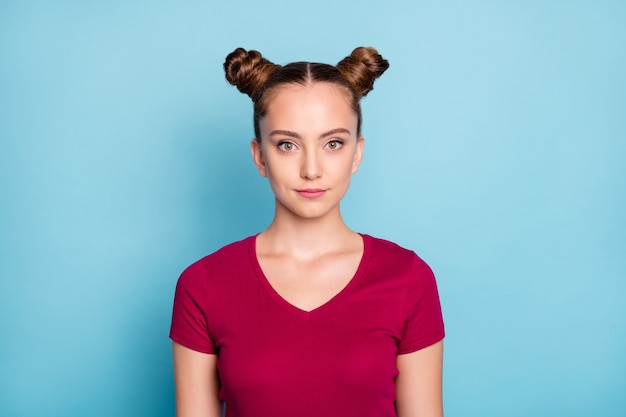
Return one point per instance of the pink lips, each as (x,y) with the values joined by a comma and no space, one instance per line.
(311,192)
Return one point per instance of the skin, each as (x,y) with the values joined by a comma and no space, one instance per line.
(309,142)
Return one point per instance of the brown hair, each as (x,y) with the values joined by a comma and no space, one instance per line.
(257,77)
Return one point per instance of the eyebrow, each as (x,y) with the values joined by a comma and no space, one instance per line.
(298,136)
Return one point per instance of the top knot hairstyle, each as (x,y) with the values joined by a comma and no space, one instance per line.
(257,77)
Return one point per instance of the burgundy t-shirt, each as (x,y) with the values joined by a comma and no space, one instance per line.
(338,360)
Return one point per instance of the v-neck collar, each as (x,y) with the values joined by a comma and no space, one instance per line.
(330,303)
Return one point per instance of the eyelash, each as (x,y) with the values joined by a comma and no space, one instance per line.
(281,145)
(337,141)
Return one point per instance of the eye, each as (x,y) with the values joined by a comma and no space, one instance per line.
(334,144)
(286,146)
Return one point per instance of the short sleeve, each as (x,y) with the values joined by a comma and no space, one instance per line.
(189,322)
(423,325)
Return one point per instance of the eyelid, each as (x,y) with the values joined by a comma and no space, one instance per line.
(340,142)
(282,142)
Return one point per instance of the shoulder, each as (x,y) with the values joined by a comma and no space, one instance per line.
(387,253)
(387,246)
(222,259)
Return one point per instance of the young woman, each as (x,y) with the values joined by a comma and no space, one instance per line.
(307,318)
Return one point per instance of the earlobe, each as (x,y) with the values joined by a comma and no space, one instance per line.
(358,154)
(257,156)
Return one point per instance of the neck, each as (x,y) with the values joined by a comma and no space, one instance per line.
(306,237)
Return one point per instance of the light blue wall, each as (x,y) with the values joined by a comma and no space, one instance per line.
(495,148)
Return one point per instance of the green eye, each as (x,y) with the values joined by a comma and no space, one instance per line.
(286,146)
(334,144)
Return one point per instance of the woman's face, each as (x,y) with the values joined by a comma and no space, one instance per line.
(308,148)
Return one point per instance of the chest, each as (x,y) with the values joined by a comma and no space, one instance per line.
(310,363)
(282,352)
(308,285)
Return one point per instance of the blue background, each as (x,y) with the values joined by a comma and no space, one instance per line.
(495,148)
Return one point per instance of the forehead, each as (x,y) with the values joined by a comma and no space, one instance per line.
(318,105)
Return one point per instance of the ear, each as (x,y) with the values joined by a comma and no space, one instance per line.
(257,156)
(358,154)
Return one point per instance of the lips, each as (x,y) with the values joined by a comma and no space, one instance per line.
(311,192)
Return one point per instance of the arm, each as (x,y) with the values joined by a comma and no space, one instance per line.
(197,383)
(418,385)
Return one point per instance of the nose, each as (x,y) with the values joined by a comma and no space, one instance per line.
(311,167)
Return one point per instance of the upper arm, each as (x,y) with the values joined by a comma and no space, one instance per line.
(197,383)
(418,385)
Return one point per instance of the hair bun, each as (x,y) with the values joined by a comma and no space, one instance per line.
(362,68)
(248,71)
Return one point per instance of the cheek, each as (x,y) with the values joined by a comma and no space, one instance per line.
(343,172)
(279,170)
